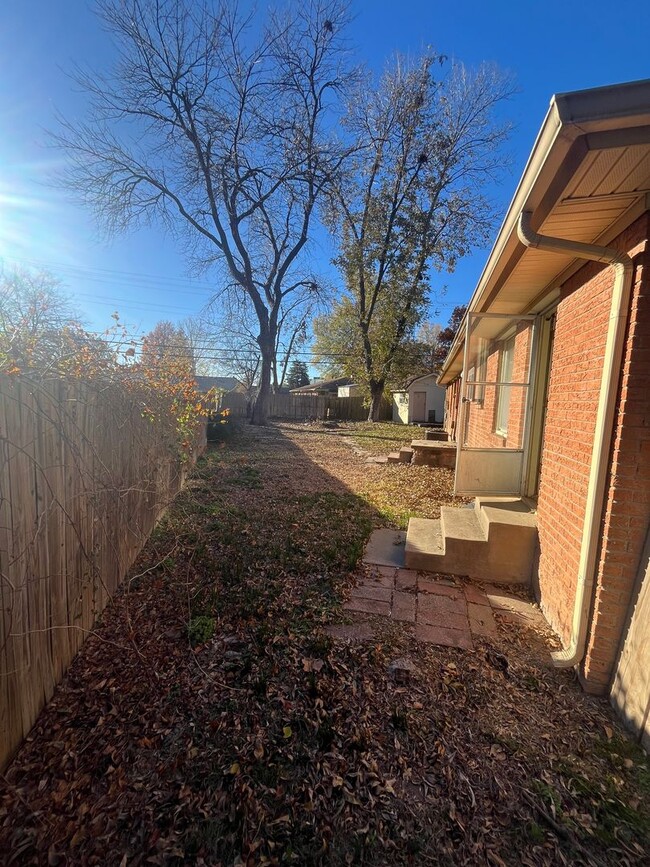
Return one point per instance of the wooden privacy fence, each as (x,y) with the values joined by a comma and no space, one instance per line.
(300,407)
(84,477)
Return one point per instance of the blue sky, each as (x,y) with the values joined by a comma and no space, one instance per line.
(549,46)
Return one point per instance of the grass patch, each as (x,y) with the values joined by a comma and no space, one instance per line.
(200,629)
(379,438)
(335,526)
(246,476)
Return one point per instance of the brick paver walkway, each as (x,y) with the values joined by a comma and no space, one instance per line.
(442,612)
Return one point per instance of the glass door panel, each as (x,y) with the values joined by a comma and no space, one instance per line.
(495,404)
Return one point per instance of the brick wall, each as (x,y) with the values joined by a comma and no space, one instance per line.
(576,369)
(627,514)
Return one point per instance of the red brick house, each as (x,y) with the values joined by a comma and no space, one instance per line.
(548,384)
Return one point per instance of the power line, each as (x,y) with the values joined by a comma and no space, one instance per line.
(146,281)
(132,305)
(153,281)
(220,354)
(225,354)
(211,352)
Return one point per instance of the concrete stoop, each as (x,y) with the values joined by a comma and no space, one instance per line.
(436,435)
(429,453)
(494,541)
(434,451)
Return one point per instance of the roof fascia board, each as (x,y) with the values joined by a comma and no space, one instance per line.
(624,103)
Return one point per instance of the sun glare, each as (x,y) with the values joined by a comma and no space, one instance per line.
(33,219)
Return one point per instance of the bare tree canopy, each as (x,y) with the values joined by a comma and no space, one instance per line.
(39,329)
(220,124)
(415,201)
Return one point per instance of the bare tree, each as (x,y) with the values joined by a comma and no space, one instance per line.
(232,328)
(203,343)
(416,200)
(293,327)
(33,305)
(427,337)
(232,321)
(221,125)
(39,329)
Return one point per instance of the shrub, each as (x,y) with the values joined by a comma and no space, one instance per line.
(220,426)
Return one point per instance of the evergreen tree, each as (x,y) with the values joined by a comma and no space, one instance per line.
(298,375)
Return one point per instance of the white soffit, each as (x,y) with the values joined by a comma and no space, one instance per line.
(583,213)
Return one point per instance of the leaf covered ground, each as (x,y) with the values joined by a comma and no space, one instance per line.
(211,720)
(379,438)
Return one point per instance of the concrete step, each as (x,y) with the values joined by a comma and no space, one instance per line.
(494,541)
(394,458)
(511,527)
(406,454)
(462,524)
(436,435)
(499,512)
(465,541)
(425,549)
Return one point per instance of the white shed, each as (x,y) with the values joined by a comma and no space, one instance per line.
(421,400)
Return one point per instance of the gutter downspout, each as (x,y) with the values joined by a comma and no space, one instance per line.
(614,346)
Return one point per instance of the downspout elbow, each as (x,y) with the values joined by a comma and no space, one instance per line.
(594,252)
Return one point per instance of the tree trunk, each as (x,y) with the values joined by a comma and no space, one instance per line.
(260,413)
(376,394)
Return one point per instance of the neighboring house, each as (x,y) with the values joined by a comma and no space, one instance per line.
(419,400)
(548,386)
(324,386)
(352,390)
(223,384)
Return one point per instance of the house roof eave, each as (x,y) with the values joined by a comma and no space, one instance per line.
(575,125)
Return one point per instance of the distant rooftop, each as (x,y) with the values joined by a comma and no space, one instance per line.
(221,383)
(320,385)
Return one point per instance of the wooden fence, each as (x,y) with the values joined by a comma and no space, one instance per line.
(83,479)
(300,407)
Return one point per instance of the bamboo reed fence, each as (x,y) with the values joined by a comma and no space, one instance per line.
(84,477)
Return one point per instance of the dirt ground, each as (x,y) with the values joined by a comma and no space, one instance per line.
(210,719)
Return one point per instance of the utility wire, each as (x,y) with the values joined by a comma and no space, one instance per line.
(157,281)
(146,281)
(189,348)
